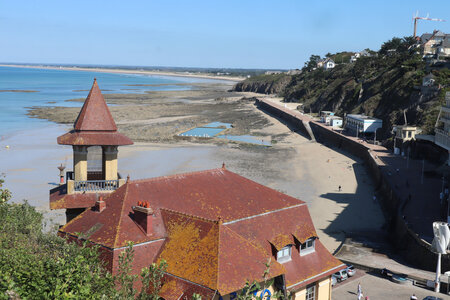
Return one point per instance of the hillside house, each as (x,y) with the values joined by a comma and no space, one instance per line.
(359,54)
(214,228)
(436,44)
(329,64)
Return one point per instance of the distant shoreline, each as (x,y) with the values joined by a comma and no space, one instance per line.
(125,71)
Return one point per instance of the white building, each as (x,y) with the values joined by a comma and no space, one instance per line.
(329,64)
(362,124)
(336,122)
(325,116)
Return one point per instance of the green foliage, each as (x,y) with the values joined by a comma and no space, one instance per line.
(152,281)
(40,265)
(312,63)
(247,293)
(399,45)
(37,265)
(5,194)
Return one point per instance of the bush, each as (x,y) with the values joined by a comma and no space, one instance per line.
(40,265)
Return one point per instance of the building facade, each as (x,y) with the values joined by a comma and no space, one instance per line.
(215,229)
(362,124)
(435,44)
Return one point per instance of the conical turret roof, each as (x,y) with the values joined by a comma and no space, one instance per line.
(95,114)
(94,125)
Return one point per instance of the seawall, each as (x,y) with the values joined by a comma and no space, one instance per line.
(413,249)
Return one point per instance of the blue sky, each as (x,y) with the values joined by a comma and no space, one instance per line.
(235,34)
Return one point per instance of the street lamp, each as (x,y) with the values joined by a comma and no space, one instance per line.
(61,174)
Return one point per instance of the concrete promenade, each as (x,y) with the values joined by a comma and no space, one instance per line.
(413,201)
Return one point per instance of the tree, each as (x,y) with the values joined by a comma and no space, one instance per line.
(400,45)
(5,194)
(312,63)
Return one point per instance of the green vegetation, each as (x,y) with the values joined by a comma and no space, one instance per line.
(382,85)
(38,265)
(248,292)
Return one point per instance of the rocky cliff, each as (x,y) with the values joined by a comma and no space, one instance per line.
(264,84)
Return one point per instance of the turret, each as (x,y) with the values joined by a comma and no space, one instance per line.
(95,141)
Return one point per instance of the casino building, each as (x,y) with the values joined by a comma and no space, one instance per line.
(215,228)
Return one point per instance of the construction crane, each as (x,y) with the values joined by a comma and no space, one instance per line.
(416,17)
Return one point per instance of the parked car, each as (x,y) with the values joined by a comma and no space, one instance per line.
(333,281)
(350,270)
(341,275)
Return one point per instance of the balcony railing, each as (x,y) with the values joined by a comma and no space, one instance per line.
(442,138)
(96,185)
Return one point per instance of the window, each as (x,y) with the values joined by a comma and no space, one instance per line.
(311,292)
(284,254)
(307,247)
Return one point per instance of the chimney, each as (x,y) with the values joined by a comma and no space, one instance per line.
(143,216)
(100,205)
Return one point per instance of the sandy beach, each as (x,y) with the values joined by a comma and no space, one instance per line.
(125,71)
(293,164)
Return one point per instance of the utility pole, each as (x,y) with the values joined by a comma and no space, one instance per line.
(407,159)
(423,168)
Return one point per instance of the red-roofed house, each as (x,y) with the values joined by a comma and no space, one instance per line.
(216,230)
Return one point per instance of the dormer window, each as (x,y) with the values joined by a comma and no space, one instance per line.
(308,246)
(284,254)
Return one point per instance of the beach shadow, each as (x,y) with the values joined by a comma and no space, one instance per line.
(362,215)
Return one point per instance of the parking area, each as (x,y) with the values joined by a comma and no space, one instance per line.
(377,287)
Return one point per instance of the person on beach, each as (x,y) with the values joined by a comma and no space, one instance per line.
(339,188)
(413,297)
(359,291)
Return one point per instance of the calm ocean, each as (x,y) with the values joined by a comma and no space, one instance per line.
(55,86)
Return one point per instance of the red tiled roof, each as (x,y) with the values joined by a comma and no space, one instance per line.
(210,194)
(178,288)
(277,228)
(94,124)
(94,114)
(217,255)
(306,269)
(97,138)
(59,199)
(114,226)
(210,254)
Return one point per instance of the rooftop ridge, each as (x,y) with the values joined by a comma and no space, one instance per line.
(177,175)
(120,216)
(189,215)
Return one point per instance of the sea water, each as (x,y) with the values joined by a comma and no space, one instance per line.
(53,87)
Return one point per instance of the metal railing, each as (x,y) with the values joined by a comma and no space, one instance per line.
(442,138)
(96,185)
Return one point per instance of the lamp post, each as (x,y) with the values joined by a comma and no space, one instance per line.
(61,174)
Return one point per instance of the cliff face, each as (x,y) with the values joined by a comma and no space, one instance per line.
(264,84)
(379,86)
